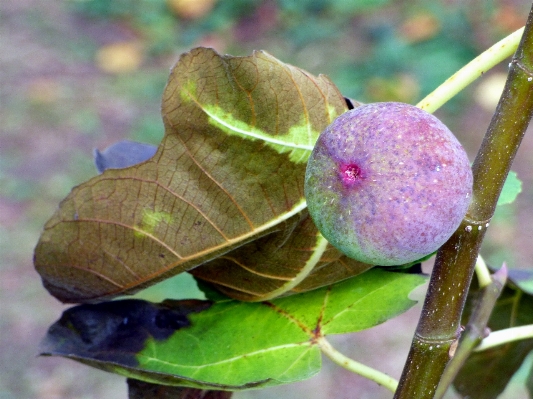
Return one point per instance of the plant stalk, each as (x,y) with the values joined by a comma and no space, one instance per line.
(502,337)
(356,367)
(483,274)
(471,71)
(439,326)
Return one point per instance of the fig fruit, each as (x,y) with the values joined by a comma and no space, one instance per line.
(387,183)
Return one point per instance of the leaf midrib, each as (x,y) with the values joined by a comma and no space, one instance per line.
(227,360)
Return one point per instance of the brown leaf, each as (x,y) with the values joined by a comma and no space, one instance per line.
(276,265)
(229,171)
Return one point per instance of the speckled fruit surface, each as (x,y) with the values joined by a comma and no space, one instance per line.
(388,183)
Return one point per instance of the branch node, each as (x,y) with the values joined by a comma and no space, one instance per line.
(434,341)
(523,68)
(472,224)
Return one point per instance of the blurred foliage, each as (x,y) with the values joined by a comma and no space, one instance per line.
(375,50)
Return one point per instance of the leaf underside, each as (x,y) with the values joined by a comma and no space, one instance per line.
(192,343)
(145,390)
(222,197)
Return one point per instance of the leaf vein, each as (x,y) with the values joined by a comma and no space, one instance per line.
(176,195)
(243,266)
(373,292)
(193,159)
(225,361)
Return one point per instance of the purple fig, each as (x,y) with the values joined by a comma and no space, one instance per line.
(387,183)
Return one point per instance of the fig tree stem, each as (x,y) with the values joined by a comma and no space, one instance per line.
(471,71)
(439,327)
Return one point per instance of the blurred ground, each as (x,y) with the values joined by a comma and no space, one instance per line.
(75,75)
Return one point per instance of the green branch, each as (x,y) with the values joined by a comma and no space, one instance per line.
(471,71)
(439,326)
(356,367)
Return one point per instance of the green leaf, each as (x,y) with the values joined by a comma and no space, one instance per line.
(486,374)
(227,344)
(511,189)
(229,171)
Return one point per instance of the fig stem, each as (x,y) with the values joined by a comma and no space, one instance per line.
(355,367)
(471,71)
(439,326)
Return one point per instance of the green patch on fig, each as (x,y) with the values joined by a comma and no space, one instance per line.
(387,183)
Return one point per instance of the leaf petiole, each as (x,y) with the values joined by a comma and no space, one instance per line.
(471,71)
(482,272)
(356,367)
(505,336)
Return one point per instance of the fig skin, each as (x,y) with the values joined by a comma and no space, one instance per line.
(387,183)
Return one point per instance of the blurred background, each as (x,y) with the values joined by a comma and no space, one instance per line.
(79,75)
